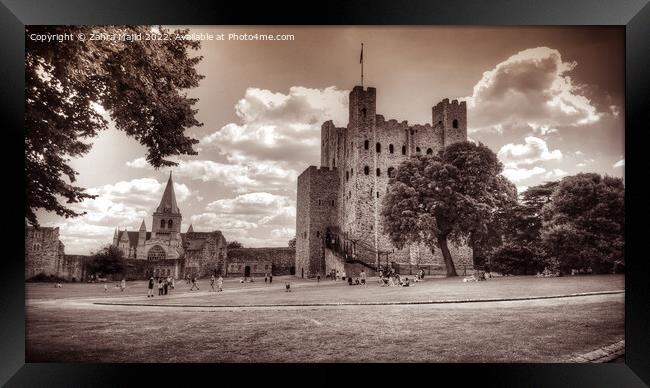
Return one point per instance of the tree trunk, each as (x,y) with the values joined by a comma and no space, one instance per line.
(449,263)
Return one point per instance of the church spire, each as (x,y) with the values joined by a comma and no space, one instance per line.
(168,201)
(190,229)
(143,226)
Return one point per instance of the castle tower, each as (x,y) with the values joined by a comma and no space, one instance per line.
(452,117)
(167,217)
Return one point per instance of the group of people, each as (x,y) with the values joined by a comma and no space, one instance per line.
(389,277)
(121,285)
(164,284)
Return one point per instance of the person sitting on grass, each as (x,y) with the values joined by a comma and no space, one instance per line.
(349,280)
(287,287)
(357,282)
(406,283)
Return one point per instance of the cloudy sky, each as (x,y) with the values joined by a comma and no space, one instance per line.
(549,101)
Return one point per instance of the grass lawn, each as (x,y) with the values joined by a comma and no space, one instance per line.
(535,331)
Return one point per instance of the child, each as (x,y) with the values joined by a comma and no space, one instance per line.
(220,283)
(150,292)
(123,284)
(212,283)
(105,287)
(318,277)
(266,277)
(363,278)
(287,287)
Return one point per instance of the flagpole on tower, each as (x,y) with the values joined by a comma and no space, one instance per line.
(361,61)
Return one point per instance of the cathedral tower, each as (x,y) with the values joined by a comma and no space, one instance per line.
(167,217)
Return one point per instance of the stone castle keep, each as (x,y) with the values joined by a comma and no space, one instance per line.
(338,217)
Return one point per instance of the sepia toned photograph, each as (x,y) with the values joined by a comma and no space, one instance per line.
(224,194)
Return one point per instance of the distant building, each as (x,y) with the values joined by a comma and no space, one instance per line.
(170,251)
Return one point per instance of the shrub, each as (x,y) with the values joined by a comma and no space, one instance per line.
(511,259)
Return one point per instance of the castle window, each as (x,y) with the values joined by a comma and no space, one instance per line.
(378,194)
(440,122)
(319,202)
(333,162)
(332,203)
(366,145)
(162,224)
(403,150)
(366,170)
(351,171)
(170,223)
(417,149)
(429,151)
(391,148)
(363,112)
(378,147)
(454,123)
(378,172)
(317,234)
(347,175)
(391,172)
(411,132)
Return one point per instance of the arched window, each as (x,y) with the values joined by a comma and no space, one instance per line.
(454,123)
(391,172)
(391,149)
(363,112)
(378,172)
(366,145)
(162,224)
(378,147)
(403,150)
(417,149)
(351,171)
(170,223)
(429,151)
(366,170)
(332,203)
(378,194)
(347,175)
(156,253)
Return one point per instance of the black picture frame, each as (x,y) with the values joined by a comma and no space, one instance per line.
(634,15)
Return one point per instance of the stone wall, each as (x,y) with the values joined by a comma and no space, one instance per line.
(361,157)
(44,251)
(73,268)
(281,259)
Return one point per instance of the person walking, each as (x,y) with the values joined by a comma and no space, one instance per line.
(123,284)
(105,287)
(160,287)
(150,291)
(266,277)
(318,277)
(212,283)
(363,278)
(165,286)
(271,278)
(194,284)
(220,283)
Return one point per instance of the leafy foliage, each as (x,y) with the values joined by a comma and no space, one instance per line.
(141,86)
(516,259)
(457,195)
(292,243)
(109,260)
(584,223)
(234,244)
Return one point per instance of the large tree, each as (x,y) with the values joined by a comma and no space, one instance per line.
(108,261)
(584,223)
(489,194)
(74,88)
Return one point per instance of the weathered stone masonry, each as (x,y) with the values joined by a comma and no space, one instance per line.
(356,163)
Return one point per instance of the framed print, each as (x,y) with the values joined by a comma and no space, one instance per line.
(379,190)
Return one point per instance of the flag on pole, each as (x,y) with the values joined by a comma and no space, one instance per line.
(361,57)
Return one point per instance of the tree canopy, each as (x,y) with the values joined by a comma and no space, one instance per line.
(234,244)
(73,89)
(584,222)
(455,196)
(109,260)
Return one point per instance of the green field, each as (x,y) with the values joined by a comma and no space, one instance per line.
(66,325)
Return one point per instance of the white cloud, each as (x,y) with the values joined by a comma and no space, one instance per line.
(556,173)
(533,150)
(520,174)
(620,163)
(530,88)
